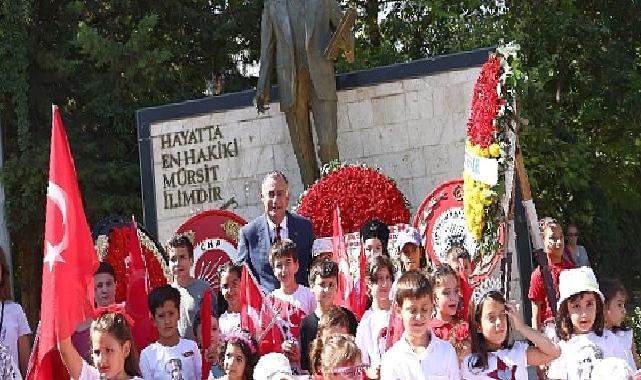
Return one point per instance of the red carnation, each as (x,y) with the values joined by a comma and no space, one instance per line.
(360,192)
(461,331)
(485,104)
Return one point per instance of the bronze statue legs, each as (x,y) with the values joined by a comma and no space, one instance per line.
(300,132)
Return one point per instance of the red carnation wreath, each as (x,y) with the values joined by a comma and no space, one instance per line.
(114,249)
(361,193)
(488,152)
(485,104)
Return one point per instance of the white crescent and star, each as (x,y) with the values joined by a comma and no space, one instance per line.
(53,250)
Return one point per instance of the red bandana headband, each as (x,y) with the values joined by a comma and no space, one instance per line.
(114,308)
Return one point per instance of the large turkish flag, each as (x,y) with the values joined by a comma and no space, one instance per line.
(70,260)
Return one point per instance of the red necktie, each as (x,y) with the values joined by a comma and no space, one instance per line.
(277,237)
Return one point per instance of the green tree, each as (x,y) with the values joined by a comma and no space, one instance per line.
(102,61)
(399,31)
(582,145)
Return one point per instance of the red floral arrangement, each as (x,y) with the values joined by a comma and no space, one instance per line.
(458,334)
(485,104)
(116,254)
(360,192)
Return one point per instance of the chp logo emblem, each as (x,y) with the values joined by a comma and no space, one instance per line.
(214,235)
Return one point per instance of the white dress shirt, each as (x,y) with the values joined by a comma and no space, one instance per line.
(437,362)
(284,234)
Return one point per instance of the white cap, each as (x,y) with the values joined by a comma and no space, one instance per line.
(273,366)
(577,280)
(321,245)
(408,235)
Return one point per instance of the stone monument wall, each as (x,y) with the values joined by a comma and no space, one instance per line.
(409,120)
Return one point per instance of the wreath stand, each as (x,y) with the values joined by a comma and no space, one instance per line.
(525,220)
(492,134)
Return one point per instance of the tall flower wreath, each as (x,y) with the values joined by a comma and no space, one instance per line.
(361,193)
(114,249)
(488,144)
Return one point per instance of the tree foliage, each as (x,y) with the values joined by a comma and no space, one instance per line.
(583,142)
(100,62)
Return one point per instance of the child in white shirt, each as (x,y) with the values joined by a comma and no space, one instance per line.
(380,275)
(284,262)
(170,355)
(229,278)
(112,351)
(239,355)
(493,356)
(614,313)
(579,327)
(418,354)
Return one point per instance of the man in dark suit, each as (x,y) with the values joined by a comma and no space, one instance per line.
(294,35)
(275,224)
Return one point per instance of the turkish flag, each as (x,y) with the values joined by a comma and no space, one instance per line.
(394,329)
(258,316)
(339,255)
(291,317)
(70,261)
(466,295)
(359,294)
(143,331)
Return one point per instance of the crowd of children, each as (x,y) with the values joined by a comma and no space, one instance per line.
(447,331)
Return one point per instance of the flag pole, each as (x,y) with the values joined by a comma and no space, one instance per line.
(271,323)
(142,256)
(390,318)
(33,353)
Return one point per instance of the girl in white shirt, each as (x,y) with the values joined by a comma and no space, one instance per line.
(113,355)
(493,355)
(239,355)
(380,276)
(229,279)
(8,368)
(580,327)
(14,328)
(614,313)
